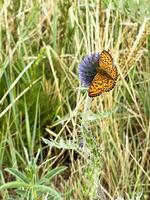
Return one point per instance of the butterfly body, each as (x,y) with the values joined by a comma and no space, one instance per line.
(106,76)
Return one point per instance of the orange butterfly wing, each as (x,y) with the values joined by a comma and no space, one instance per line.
(106,63)
(101,83)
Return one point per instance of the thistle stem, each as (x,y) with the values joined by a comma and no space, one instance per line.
(87,105)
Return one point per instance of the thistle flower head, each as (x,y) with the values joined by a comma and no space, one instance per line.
(88,68)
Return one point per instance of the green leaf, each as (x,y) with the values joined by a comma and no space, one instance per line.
(14,184)
(19,175)
(52,192)
(52,173)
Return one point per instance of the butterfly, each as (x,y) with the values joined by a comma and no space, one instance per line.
(105,78)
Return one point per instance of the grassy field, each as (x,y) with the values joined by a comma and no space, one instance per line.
(55,143)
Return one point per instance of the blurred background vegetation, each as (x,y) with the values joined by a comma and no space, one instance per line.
(47,151)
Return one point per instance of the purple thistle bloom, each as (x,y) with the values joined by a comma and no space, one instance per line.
(88,68)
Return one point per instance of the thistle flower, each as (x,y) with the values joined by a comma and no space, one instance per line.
(88,68)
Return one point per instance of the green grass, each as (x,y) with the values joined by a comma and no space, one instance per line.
(45,114)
